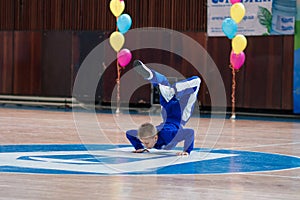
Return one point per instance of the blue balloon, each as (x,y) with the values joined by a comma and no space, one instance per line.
(229,27)
(124,23)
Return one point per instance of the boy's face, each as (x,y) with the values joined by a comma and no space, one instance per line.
(149,142)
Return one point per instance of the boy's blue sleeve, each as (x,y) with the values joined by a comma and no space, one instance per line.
(132,137)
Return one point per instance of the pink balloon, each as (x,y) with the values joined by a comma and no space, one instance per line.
(124,56)
(235,1)
(237,60)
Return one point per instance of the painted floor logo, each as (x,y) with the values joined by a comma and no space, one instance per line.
(118,159)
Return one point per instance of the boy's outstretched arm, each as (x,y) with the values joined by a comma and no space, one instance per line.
(186,135)
(189,137)
(136,143)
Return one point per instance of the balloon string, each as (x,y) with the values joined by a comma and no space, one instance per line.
(233,92)
(118,81)
(118,88)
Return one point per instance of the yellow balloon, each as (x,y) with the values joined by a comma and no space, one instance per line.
(116,40)
(117,7)
(237,12)
(239,43)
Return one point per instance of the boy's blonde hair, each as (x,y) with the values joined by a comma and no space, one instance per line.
(147,130)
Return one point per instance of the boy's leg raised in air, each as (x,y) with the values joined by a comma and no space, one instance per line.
(156,79)
(149,74)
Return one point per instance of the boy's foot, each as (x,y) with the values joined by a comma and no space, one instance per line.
(144,71)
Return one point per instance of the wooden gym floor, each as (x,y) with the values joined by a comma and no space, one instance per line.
(31,126)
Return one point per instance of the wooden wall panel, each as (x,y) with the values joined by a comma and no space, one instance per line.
(264,82)
(219,48)
(287,73)
(91,15)
(57,15)
(28,14)
(56,74)
(84,42)
(263,73)
(7,14)
(183,15)
(6,62)
(27,63)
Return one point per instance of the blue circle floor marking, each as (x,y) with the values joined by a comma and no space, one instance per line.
(117,159)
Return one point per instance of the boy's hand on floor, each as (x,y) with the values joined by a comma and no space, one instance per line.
(182,153)
(140,151)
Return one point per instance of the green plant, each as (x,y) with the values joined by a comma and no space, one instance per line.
(265,18)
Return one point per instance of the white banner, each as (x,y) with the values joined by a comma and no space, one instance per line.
(263,17)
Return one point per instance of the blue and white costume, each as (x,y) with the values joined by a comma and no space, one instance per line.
(177,103)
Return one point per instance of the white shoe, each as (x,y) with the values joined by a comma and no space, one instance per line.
(144,71)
